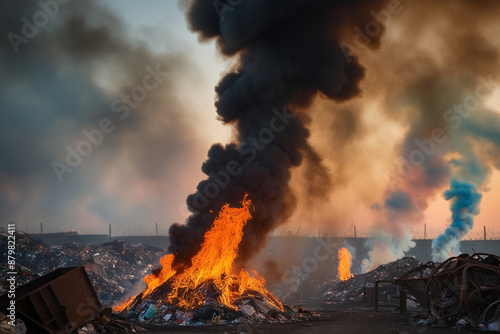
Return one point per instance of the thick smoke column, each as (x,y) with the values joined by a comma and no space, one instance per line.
(465,203)
(287,52)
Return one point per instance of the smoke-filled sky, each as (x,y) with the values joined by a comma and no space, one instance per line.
(135,71)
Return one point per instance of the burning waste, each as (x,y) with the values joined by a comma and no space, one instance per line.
(212,284)
(345,262)
(265,97)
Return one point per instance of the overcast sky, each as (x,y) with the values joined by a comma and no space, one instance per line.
(107,114)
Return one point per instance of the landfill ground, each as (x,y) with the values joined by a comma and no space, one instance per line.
(116,268)
(334,319)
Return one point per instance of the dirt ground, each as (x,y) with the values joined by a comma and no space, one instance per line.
(333,320)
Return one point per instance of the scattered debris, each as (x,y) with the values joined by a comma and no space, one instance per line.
(24,275)
(352,290)
(464,291)
(62,301)
(114,268)
(251,309)
(461,292)
(6,328)
(108,323)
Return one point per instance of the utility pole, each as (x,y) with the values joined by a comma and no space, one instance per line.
(109,231)
(354,231)
(41,228)
(484,228)
(425,231)
(156,229)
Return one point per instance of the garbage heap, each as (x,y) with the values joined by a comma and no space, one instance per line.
(464,291)
(211,288)
(109,323)
(249,310)
(114,268)
(7,328)
(352,290)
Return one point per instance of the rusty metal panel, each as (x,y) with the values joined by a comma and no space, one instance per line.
(416,287)
(58,302)
(389,289)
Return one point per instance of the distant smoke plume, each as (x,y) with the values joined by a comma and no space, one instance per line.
(464,205)
(386,245)
(288,52)
(438,94)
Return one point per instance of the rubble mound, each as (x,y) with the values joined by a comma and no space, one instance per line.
(352,289)
(109,323)
(250,310)
(114,268)
(23,276)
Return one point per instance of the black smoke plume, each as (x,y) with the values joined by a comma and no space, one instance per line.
(287,52)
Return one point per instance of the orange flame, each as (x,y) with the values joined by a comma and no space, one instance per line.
(344,264)
(211,268)
(123,306)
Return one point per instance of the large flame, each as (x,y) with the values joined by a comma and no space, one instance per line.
(211,269)
(344,264)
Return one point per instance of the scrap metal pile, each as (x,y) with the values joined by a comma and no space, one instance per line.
(465,291)
(114,268)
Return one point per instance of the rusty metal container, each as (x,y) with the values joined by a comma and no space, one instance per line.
(58,302)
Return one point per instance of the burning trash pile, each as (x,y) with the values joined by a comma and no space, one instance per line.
(113,268)
(352,289)
(464,291)
(212,290)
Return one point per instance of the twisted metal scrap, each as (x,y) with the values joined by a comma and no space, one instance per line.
(464,285)
(414,281)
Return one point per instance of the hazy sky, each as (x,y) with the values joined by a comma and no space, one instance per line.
(72,74)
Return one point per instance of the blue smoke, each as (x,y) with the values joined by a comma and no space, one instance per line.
(400,201)
(464,205)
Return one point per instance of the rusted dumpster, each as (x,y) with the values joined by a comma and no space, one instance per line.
(58,302)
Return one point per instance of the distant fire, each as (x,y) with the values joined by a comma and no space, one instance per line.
(344,264)
(211,269)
